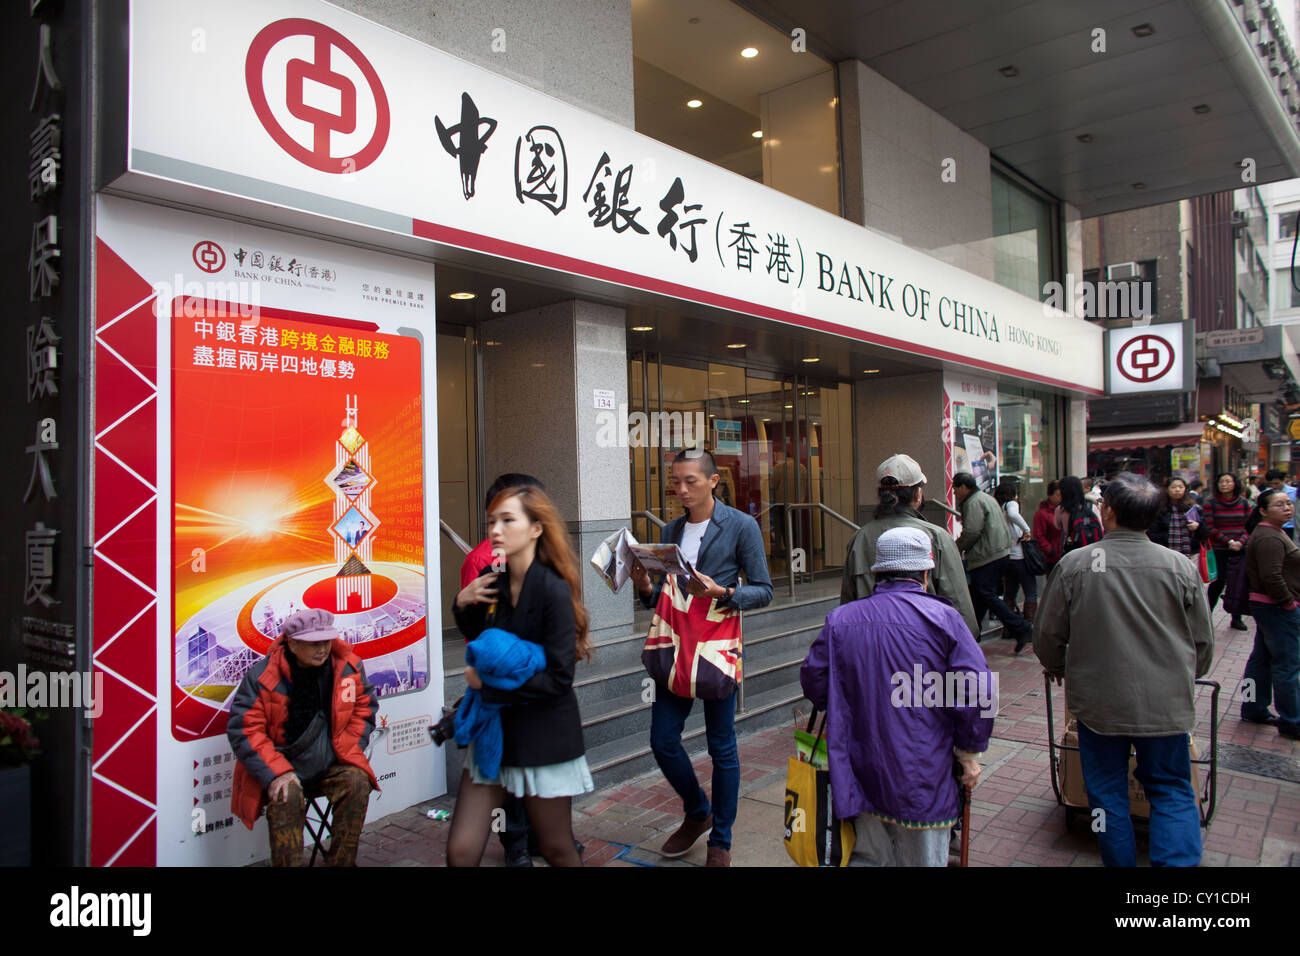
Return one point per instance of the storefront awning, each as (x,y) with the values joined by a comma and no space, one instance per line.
(1175,435)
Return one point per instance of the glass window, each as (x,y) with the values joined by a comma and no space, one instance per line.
(1024,237)
(1027,448)
(1286,224)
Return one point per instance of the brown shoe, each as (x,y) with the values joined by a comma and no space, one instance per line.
(684,837)
(718,857)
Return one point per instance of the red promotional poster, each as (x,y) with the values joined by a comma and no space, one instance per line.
(298,483)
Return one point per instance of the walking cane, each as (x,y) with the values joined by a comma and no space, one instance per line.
(965,823)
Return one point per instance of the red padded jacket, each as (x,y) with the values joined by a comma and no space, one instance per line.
(261,708)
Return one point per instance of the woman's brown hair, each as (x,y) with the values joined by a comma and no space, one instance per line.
(555,550)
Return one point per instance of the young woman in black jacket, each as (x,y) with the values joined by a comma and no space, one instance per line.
(538,597)
(1179,525)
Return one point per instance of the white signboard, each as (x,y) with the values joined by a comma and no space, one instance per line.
(300,104)
(1146,359)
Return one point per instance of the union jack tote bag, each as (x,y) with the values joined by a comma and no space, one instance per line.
(693,648)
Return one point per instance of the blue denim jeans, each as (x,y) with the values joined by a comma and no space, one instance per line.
(1164,769)
(667,718)
(1274,664)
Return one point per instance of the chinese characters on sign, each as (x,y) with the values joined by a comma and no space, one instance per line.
(290,344)
(44,164)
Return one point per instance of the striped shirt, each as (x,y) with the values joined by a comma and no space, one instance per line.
(1226,520)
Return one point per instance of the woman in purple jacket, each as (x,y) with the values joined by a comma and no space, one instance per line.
(911,692)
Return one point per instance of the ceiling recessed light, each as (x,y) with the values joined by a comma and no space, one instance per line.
(1009,71)
(693,20)
(749,52)
(767,419)
(870,371)
(736,345)
(537,365)
(463,295)
(1139,185)
(1201,108)
(742,401)
(827,169)
(1084,137)
(835,101)
(1143,30)
(812,359)
(695,104)
(757,134)
(491,342)
(643,328)
(789,406)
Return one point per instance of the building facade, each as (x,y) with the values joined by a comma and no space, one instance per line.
(323,271)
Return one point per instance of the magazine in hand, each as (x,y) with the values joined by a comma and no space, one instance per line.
(664,559)
(613,559)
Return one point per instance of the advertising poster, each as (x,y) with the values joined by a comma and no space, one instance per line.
(265,443)
(970,431)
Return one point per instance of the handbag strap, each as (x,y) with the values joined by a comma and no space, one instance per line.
(812,719)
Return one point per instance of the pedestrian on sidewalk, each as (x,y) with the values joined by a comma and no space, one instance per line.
(1134,618)
(1273,571)
(299,726)
(986,543)
(901,490)
(891,740)
(1277,479)
(1047,533)
(1078,516)
(1179,526)
(516,839)
(1016,578)
(1225,513)
(720,542)
(538,598)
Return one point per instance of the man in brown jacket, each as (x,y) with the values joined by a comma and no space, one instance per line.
(1125,622)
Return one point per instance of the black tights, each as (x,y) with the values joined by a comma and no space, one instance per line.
(471,824)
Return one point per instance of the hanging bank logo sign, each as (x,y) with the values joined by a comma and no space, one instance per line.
(1149,358)
(322,111)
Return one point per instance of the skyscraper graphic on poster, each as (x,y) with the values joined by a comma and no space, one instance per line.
(297,484)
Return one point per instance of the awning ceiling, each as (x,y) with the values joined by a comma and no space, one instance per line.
(1152,437)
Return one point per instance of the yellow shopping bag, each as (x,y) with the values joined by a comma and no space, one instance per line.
(813,837)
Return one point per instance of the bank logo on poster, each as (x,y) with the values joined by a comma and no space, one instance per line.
(208,256)
(314,92)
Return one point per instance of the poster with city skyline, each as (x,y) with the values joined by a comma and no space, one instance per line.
(294,488)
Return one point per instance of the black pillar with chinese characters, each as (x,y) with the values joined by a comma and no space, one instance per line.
(44,598)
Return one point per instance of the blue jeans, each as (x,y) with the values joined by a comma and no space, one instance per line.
(1165,771)
(667,718)
(1274,664)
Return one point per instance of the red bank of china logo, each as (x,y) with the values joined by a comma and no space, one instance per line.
(319,102)
(1145,358)
(209,256)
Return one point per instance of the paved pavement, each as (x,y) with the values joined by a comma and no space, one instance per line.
(1015,819)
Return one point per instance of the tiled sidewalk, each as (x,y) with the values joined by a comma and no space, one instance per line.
(1015,820)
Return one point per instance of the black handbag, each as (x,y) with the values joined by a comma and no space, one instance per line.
(1035,560)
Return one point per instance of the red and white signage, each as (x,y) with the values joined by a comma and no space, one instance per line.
(301,105)
(1146,359)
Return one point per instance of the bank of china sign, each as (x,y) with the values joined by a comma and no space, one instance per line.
(303,105)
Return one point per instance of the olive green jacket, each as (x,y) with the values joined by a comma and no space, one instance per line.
(1126,623)
(984,535)
(948,579)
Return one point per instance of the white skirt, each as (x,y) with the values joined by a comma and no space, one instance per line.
(571,778)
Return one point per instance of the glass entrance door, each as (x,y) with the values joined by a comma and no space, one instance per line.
(779,440)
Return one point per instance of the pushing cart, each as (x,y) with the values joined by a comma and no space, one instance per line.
(1075,799)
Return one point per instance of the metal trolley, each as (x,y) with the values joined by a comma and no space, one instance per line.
(1209,789)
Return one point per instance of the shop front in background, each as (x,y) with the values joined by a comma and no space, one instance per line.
(781,442)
